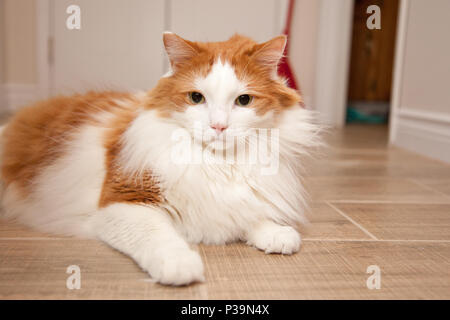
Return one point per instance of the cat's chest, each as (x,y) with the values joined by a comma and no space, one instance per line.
(216,204)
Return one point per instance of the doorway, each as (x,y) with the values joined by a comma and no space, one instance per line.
(371,63)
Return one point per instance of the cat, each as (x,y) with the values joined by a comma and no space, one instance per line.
(104,164)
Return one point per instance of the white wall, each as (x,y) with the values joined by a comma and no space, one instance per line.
(303,46)
(18,53)
(119,45)
(206,20)
(426,64)
(2,45)
(320,51)
(19,47)
(420,119)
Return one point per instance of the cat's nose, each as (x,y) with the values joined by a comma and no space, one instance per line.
(218,127)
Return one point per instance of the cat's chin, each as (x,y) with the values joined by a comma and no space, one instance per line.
(219,144)
(224,142)
(216,144)
(215,139)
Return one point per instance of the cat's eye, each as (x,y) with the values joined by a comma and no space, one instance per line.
(243,100)
(196,97)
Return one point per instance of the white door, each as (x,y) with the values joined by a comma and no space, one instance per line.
(119,45)
(217,20)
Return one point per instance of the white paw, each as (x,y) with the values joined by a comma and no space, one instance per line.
(273,238)
(176,266)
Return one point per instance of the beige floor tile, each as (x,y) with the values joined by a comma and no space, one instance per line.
(441,185)
(370,189)
(323,223)
(11,229)
(402,221)
(367,168)
(37,270)
(375,163)
(356,136)
(391,193)
(327,223)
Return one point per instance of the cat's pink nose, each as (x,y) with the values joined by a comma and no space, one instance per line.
(219,127)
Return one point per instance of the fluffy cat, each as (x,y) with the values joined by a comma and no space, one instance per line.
(104,164)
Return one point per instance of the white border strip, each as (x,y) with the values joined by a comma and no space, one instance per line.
(373,240)
(350,201)
(422,115)
(42,48)
(398,67)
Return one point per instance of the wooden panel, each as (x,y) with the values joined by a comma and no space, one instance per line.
(14,230)
(375,163)
(411,245)
(371,189)
(356,136)
(327,223)
(323,270)
(362,151)
(402,221)
(372,52)
(440,184)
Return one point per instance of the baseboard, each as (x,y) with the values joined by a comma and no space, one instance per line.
(15,96)
(427,133)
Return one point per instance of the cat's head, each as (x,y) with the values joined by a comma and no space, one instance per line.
(226,87)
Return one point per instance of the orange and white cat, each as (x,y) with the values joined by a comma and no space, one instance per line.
(102,165)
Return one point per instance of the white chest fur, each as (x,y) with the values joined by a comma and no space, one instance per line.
(214,203)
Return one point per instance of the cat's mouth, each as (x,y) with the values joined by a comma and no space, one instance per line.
(226,136)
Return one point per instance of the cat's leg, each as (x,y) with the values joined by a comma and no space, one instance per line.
(148,236)
(274,238)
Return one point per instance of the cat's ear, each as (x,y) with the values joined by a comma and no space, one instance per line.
(270,53)
(178,50)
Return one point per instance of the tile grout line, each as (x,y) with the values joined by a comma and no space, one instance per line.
(351,220)
(375,240)
(429,188)
(384,201)
(303,239)
(38,238)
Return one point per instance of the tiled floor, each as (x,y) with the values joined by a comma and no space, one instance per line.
(371,205)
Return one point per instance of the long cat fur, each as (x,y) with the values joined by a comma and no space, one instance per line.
(100,165)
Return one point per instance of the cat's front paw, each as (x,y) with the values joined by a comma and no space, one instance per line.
(273,238)
(176,267)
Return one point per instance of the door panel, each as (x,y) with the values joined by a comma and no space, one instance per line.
(119,45)
(206,20)
(372,52)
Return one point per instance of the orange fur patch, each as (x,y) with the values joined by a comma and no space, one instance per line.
(37,135)
(119,187)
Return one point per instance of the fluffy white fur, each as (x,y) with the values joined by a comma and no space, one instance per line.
(217,203)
